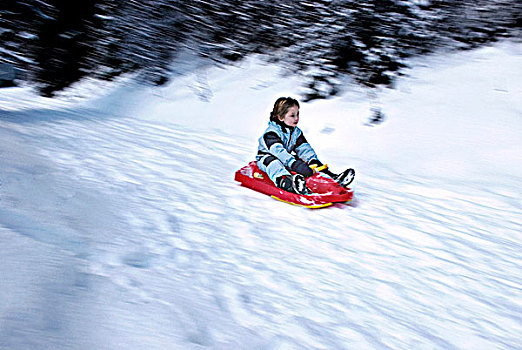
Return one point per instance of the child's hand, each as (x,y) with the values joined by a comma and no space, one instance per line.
(302,168)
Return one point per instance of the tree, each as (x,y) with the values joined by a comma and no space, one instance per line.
(57,42)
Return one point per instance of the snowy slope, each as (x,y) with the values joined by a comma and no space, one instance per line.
(121,226)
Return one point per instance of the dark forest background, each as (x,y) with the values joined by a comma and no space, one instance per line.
(54,43)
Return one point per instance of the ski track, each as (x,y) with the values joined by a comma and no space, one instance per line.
(412,263)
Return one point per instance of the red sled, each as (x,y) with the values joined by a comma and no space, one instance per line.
(325,190)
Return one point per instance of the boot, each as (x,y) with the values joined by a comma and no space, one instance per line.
(345,178)
(293,183)
(299,184)
(285,183)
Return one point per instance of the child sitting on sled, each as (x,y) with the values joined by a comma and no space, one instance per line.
(283,149)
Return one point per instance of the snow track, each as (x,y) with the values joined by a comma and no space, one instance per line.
(156,247)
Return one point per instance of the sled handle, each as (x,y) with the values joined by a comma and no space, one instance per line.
(316,168)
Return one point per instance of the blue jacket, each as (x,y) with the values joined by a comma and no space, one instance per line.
(282,141)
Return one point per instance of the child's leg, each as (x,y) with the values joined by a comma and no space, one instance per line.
(344,178)
(272,166)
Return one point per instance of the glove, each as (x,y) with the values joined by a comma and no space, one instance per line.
(316,165)
(302,168)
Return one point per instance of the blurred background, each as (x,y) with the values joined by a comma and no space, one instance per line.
(51,44)
(121,226)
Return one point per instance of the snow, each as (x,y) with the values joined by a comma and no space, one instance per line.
(121,225)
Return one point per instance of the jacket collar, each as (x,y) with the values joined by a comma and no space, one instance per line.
(283,126)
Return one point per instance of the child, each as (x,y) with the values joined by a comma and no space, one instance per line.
(280,141)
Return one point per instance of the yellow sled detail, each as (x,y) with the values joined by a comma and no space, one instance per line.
(316,206)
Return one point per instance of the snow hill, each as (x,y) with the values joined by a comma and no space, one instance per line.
(121,226)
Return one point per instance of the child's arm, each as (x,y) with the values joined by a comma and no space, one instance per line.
(304,150)
(274,145)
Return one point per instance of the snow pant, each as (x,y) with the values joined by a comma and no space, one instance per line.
(271,166)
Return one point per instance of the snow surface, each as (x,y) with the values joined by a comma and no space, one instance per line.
(121,226)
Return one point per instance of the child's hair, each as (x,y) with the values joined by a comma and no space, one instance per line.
(281,106)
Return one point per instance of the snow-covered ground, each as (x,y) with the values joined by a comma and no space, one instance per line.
(121,226)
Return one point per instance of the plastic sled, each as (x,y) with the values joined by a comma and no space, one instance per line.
(325,190)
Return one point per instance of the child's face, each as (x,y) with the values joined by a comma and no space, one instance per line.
(291,117)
